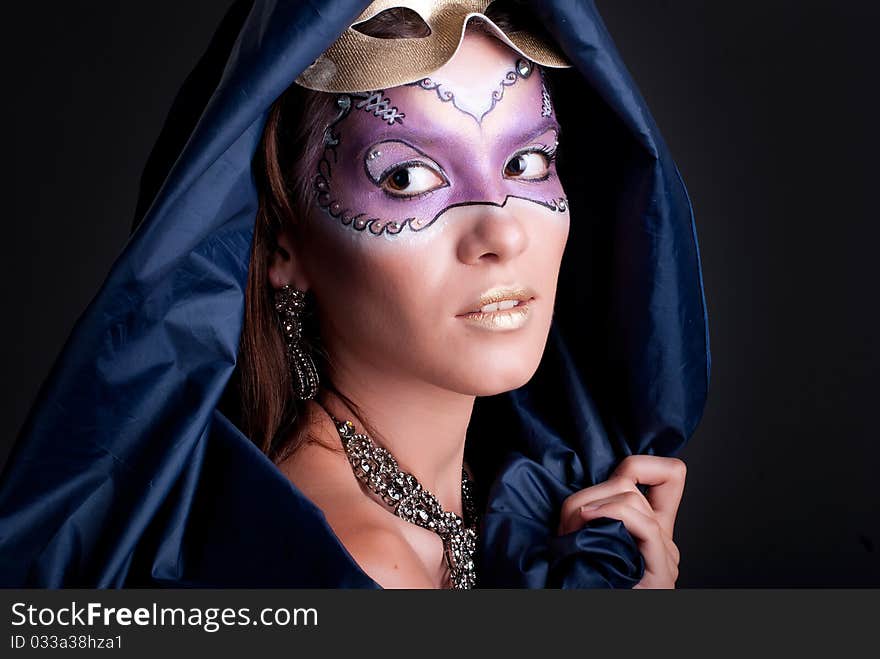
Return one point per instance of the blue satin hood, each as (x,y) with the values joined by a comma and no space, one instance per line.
(126,473)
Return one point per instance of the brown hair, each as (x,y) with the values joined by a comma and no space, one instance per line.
(284,166)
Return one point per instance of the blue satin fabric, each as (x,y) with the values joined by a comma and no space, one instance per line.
(127,474)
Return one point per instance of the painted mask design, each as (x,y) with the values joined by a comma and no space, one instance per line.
(399,159)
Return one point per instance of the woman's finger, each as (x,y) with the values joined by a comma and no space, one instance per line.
(632,498)
(666,477)
(646,531)
(569,517)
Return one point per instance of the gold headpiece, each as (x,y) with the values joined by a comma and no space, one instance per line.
(357,62)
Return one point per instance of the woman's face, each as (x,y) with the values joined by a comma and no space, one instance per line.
(434,200)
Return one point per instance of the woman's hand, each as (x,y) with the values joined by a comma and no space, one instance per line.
(649,520)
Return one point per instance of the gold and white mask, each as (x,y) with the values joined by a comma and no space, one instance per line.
(357,62)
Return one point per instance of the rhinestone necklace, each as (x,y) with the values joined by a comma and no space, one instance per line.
(377,469)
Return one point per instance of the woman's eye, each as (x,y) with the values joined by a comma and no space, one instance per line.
(528,165)
(411,180)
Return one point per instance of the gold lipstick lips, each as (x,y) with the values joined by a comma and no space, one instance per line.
(501,308)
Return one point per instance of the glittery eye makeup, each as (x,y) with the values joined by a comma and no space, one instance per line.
(533,163)
(402,170)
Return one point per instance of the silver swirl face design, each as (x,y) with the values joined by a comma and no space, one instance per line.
(522,69)
(359,221)
(377,104)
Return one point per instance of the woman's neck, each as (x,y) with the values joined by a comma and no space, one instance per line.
(424,427)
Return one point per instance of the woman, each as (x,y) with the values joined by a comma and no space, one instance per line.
(426,202)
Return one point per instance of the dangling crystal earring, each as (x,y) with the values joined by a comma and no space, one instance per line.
(290,304)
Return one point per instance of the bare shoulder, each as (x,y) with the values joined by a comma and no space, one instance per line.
(368,532)
(365,529)
(386,557)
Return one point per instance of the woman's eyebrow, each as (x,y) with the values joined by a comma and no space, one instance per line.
(430,137)
(523,137)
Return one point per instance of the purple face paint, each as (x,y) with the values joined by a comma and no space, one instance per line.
(399,159)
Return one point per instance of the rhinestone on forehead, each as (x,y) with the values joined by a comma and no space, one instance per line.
(524,67)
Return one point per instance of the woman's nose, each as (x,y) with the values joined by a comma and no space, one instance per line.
(496,235)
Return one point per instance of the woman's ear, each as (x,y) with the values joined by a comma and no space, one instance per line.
(285,266)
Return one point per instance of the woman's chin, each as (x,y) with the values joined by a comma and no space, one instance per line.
(499,377)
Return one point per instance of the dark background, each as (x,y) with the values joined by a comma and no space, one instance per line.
(770,109)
